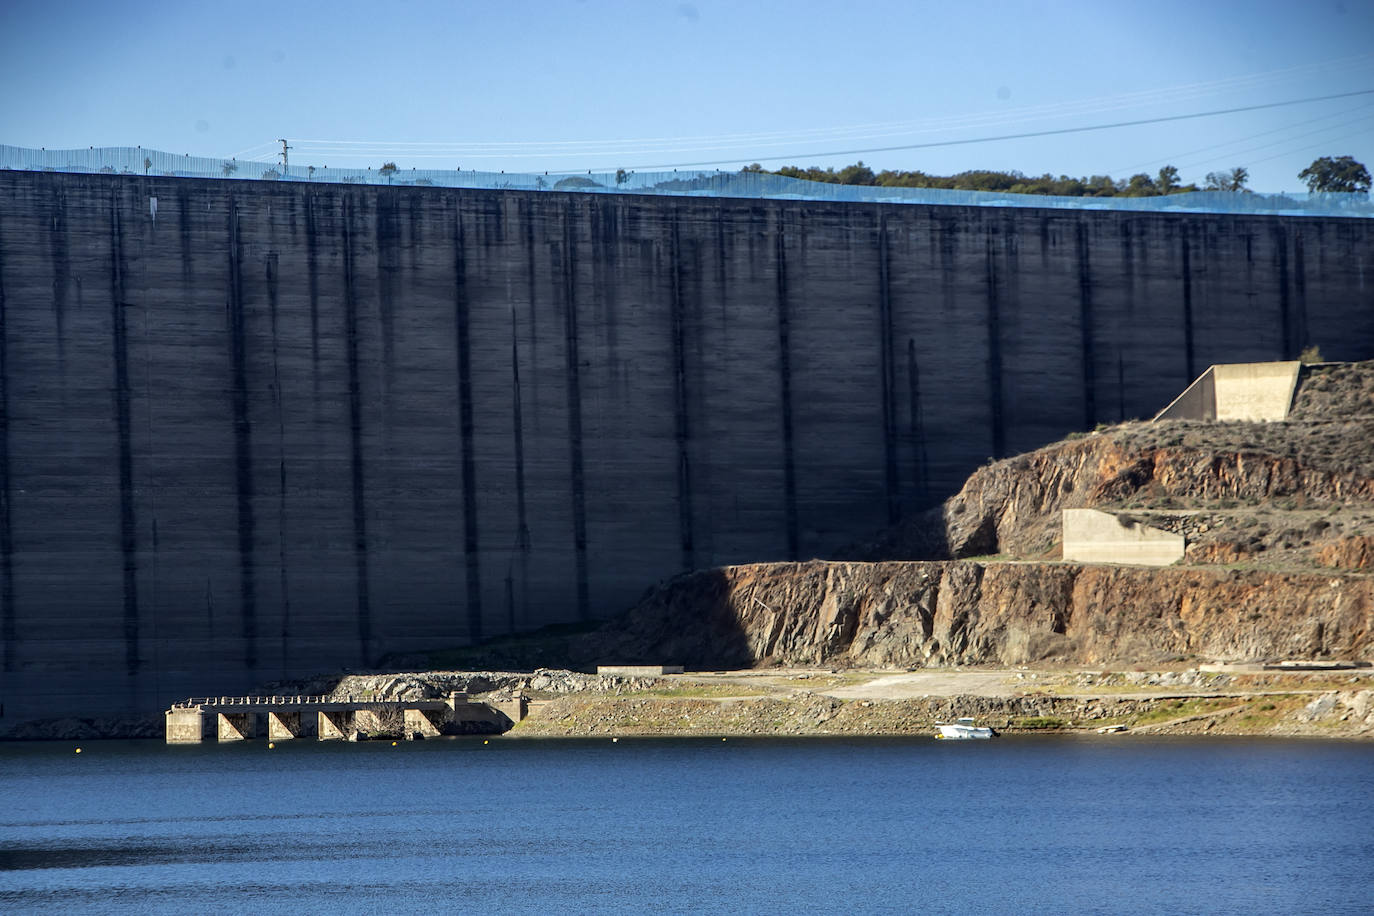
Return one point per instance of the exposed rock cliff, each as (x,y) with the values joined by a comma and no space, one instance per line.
(969,613)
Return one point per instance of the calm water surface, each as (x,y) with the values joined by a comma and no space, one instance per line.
(1012,825)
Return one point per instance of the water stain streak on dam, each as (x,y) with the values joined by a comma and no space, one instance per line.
(268,428)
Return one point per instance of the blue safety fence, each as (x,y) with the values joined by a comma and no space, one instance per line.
(687,183)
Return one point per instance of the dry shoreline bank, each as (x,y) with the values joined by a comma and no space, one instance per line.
(854,703)
(830,702)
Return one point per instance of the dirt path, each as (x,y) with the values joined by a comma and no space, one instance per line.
(850,684)
(935,683)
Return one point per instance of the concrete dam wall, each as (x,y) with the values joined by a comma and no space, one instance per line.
(250,430)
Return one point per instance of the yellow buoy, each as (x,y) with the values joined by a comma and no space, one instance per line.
(78,750)
(485,742)
(393,744)
(270,745)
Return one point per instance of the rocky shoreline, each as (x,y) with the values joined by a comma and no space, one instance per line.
(870,703)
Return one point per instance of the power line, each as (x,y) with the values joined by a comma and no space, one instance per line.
(470,153)
(620,147)
(1326,143)
(1020,136)
(1175,158)
(1305,139)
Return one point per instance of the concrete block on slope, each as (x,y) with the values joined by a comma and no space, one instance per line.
(1238,391)
(1091,536)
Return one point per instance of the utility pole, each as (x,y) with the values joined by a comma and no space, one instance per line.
(284,161)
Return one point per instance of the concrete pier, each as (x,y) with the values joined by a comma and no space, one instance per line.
(283,726)
(284,718)
(235,726)
(334,726)
(419,723)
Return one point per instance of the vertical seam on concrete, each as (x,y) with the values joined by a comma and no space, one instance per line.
(312,269)
(1285,306)
(523,540)
(385,228)
(532,291)
(58,247)
(920,470)
(1190,372)
(243,441)
(1085,327)
(789,468)
(128,535)
(721,265)
(466,423)
(1300,339)
(994,344)
(154,574)
(273,272)
(681,430)
(9,624)
(357,472)
(518,411)
(522,535)
(574,392)
(887,360)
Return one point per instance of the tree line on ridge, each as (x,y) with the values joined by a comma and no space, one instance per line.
(1341,173)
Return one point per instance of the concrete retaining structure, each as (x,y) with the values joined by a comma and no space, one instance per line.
(280,428)
(638,670)
(1091,536)
(1238,391)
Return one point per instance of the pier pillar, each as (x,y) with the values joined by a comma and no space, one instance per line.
(418,723)
(333,726)
(515,709)
(185,726)
(236,726)
(283,726)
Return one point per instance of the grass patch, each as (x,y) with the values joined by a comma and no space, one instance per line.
(1180,709)
(1038,723)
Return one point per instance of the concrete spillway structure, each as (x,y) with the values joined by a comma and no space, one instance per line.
(258,429)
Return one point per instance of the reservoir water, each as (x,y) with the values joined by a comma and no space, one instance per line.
(1052,825)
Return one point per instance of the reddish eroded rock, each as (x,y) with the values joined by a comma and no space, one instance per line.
(1218,553)
(1348,553)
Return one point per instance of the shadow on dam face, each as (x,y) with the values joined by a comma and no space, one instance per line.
(276,428)
(716,639)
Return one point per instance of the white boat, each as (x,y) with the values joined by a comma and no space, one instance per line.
(962,730)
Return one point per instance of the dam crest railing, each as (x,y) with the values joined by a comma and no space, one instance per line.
(686,183)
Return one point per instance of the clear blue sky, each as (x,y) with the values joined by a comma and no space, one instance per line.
(601,84)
